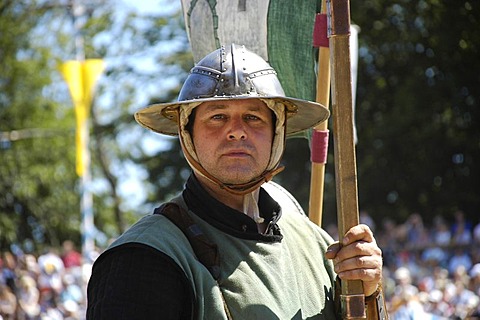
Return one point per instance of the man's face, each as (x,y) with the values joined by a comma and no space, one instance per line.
(233,139)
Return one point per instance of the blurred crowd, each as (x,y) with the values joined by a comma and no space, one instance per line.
(431,271)
(50,286)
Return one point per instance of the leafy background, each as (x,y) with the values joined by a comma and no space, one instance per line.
(417,115)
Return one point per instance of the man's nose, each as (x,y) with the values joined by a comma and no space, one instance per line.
(237,129)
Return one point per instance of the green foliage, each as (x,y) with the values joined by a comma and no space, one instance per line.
(418,108)
(39,191)
(36,188)
(417,116)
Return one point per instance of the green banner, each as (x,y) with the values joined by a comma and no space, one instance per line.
(278,30)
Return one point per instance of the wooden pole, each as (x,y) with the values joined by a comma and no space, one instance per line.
(352,297)
(317,181)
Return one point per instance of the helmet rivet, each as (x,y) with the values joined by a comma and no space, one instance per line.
(230,75)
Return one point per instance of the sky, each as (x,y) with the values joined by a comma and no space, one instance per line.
(151,6)
(132,187)
(131,176)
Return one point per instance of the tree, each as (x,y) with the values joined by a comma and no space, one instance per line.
(36,202)
(417,107)
(39,201)
(417,115)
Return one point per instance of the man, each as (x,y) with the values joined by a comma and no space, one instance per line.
(232,245)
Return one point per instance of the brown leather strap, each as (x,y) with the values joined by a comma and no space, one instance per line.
(205,250)
(375,305)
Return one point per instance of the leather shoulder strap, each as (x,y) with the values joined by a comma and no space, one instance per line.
(205,250)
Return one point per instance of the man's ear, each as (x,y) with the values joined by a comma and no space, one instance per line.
(189,125)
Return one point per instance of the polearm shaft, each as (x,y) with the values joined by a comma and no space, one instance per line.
(320,132)
(352,297)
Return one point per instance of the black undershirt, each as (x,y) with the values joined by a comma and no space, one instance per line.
(135,281)
(229,220)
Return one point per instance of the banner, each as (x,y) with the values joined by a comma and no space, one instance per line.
(81,77)
(278,30)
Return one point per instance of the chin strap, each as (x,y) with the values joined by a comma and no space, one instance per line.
(242,189)
(238,189)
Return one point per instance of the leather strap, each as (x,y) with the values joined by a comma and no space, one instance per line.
(205,250)
(375,305)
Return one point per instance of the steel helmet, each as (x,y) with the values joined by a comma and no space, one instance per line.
(233,72)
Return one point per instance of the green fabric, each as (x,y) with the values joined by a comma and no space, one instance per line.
(158,232)
(287,44)
(286,280)
(290,46)
(289,36)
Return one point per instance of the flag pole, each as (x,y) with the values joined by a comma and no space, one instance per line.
(338,11)
(319,142)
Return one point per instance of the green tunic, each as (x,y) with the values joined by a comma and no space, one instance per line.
(290,279)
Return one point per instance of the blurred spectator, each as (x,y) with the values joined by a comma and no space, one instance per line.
(437,306)
(71,257)
(387,240)
(8,303)
(476,233)
(417,234)
(28,299)
(50,280)
(460,259)
(427,274)
(441,234)
(407,307)
(437,251)
(440,278)
(8,275)
(461,229)
(28,263)
(435,256)
(71,297)
(404,287)
(365,218)
(461,275)
(474,284)
(464,300)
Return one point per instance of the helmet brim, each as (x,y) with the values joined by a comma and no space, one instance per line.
(301,114)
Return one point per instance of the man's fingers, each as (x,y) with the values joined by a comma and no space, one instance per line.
(362,267)
(368,269)
(359,232)
(332,250)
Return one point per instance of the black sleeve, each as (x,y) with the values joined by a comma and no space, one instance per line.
(135,281)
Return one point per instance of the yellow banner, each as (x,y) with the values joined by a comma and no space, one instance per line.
(81,77)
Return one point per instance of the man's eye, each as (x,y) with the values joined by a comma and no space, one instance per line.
(218,117)
(252,117)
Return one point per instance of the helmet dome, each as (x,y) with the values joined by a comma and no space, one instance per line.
(231,73)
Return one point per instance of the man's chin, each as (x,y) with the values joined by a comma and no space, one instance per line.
(237,178)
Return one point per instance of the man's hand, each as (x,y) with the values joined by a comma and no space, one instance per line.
(358,258)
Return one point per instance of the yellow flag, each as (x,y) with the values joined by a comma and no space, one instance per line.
(81,77)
